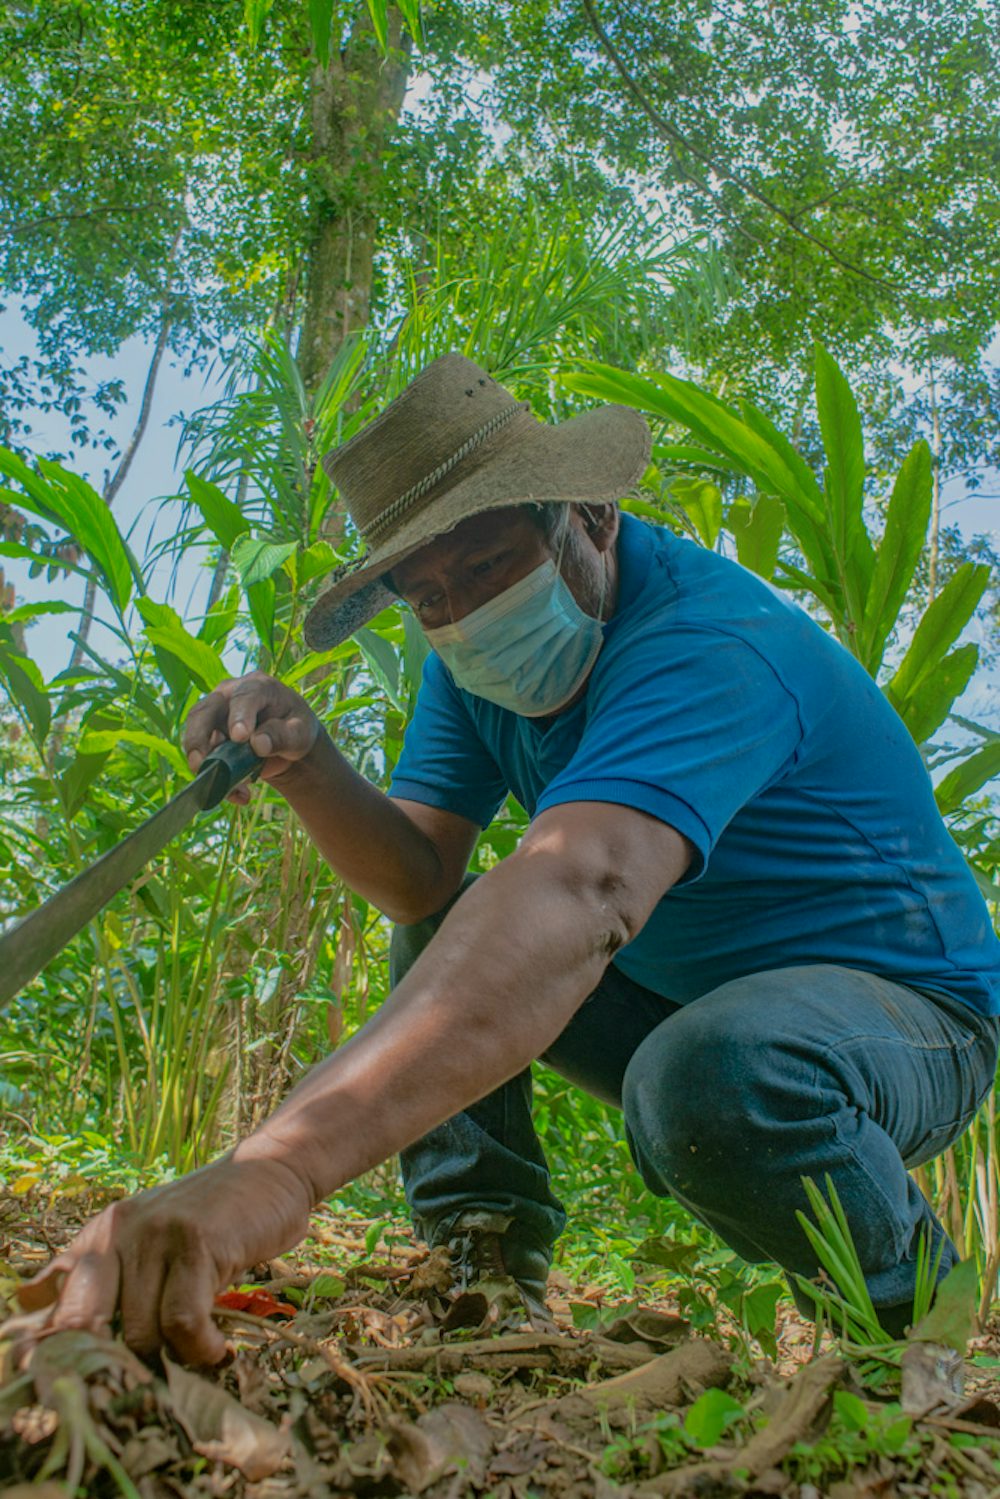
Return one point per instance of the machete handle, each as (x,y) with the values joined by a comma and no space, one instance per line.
(226,766)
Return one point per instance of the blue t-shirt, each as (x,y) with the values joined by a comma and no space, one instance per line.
(718,706)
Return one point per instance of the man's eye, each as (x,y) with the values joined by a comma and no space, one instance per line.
(430,601)
(487,564)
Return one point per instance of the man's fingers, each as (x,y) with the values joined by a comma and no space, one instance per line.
(186,1304)
(143,1276)
(291,737)
(43,1289)
(89,1293)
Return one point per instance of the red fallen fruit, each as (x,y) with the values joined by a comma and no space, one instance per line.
(258,1303)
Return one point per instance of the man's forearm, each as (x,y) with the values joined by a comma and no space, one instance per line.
(511,964)
(369,841)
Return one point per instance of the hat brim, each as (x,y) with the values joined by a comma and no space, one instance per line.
(595,457)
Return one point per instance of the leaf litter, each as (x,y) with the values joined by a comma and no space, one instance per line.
(375,1377)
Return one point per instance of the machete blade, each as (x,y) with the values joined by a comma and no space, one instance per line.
(44,932)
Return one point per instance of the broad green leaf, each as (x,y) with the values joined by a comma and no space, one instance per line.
(709,1416)
(174,674)
(202,663)
(256,559)
(27,554)
(103,741)
(383,663)
(952,1317)
(804,502)
(27,687)
(378,10)
(942,623)
(680,452)
(260,602)
(840,425)
(410,11)
(33,611)
(81,511)
(77,779)
(225,520)
(220,621)
(415,652)
(321,21)
(899,551)
(852,1411)
(711,421)
(925,709)
(701,502)
(255,13)
(757,530)
(315,562)
(968,777)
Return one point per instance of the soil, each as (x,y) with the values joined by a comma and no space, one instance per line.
(366,1372)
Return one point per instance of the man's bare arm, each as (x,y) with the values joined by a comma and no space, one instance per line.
(503,976)
(510,965)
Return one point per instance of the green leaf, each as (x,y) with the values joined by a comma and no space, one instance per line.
(843,440)
(410,11)
(33,611)
(930,702)
(383,663)
(682,452)
(101,742)
(952,1317)
(378,10)
(316,561)
(709,1416)
(974,772)
(225,520)
(77,779)
(701,502)
(321,21)
(260,601)
(165,632)
(852,1411)
(255,13)
(758,1307)
(26,686)
(757,530)
(942,623)
(80,510)
(899,551)
(256,559)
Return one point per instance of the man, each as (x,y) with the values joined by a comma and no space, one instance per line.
(736,911)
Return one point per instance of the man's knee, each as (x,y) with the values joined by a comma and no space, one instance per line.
(709,1095)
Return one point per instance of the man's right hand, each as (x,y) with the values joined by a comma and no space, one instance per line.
(279,724)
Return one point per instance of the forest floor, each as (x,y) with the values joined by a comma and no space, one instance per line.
(357,1369)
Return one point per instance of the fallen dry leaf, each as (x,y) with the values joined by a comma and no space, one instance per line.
(218,1426)
(450,1439)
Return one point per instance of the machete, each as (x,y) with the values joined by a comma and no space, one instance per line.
(44,932)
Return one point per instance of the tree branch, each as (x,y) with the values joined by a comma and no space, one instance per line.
(678,141)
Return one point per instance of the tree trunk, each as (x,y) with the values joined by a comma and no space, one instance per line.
(355,105)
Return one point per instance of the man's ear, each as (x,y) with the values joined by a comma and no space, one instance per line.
(600,523)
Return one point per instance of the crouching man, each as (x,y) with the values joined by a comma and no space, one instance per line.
(736,913)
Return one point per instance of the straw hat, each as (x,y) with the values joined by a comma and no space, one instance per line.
(453,444)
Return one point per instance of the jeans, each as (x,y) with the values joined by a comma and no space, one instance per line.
(728,1102)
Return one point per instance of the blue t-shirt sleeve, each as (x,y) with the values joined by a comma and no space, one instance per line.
(687,726)
(444,762)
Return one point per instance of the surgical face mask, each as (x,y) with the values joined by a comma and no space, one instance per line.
(530,649)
